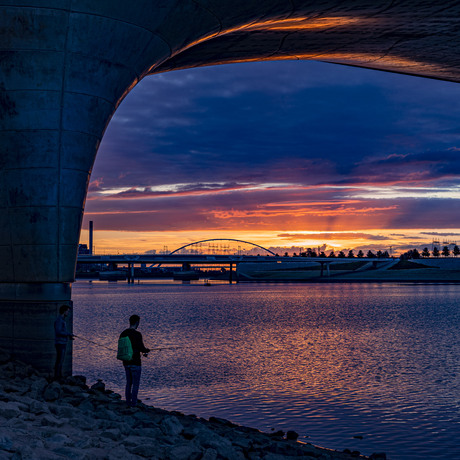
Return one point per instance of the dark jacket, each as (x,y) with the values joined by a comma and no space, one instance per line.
(137,344)
(61,335)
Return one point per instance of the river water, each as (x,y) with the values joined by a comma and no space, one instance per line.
(334,362)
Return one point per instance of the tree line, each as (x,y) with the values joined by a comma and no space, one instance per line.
(411,254)
(445,252)
(341,254)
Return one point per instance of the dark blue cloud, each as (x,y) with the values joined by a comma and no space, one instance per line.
(287,120)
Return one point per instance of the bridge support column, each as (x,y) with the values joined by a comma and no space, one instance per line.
(27,314)
(65,68)
(130,274)
(327,268)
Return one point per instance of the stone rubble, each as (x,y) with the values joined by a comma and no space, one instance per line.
(42,420)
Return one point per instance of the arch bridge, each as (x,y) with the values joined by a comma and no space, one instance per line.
(223,256)
(221,239)
(67,64)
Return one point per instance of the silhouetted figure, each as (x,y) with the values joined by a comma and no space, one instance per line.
(61,337)
(133,367)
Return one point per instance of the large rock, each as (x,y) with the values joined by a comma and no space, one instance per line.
(113,434)
(5,442)
(108,414)
(132,441)
(171,426)
(38,408)
(83,422)
(77,380)
(49,420)
(19,386)
(126,429)
(84,442)
(63,410)
(37,388)
(209,438)
(10,409)
(98,386)
(52,392)
(86,407)
(71,453)
(148,451)
(58,440)
(153,432)
(209,454)
(184,452)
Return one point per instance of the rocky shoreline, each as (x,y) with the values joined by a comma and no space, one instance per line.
(42,419)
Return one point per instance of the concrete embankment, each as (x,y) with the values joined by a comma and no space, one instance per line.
(435,270)
(47,420)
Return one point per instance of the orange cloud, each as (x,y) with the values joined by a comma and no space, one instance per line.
(299,212)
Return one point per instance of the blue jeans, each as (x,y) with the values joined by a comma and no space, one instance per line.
(60,356)
(133,377)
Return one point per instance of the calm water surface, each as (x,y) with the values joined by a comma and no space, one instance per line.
(331,362)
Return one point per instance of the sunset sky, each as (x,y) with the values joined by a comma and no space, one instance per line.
(292,153)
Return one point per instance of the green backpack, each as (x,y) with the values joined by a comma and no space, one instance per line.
(125,349)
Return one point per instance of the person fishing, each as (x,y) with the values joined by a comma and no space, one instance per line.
(133,367)
(61,337)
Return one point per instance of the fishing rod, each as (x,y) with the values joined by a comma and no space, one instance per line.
(111,349)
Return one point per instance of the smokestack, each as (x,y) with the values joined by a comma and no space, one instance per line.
(91,237)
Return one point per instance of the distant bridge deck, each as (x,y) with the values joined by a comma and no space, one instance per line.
(214,259)
(187,260)
(211,259)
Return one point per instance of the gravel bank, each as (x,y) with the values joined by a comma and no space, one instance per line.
(47,420)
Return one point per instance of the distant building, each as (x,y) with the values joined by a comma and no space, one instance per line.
(83,249)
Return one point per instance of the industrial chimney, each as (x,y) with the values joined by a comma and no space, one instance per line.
(91,237)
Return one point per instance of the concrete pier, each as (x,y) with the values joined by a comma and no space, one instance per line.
(27,312)
(65,66)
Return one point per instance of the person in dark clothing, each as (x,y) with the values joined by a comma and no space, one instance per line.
(133,368)
(61,337)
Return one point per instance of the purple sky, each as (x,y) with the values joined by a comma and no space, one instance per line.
(281,147)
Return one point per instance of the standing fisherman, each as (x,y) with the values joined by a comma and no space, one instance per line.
(61,337)
(133,367)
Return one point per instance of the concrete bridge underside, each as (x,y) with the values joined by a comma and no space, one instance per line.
(67,64)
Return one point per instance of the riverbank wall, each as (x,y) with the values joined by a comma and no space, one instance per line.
(432,270)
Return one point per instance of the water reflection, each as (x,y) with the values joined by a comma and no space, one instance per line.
(331,362)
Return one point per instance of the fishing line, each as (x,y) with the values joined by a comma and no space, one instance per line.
(111,349)
(95,343)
